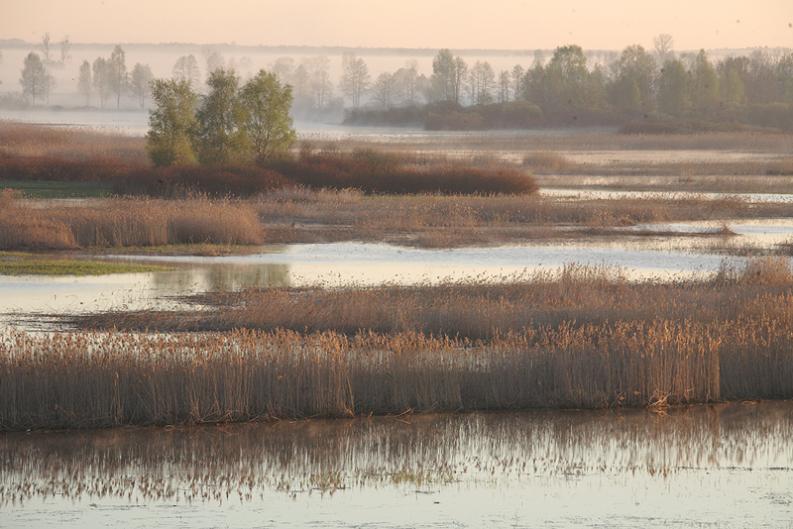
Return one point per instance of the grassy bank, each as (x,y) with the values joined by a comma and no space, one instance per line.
(17,264)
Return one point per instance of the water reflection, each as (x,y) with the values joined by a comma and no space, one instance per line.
(740,452)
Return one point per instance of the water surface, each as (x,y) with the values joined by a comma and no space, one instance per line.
(712,466)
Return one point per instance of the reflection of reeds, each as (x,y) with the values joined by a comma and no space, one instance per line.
(246,460)
(127,222)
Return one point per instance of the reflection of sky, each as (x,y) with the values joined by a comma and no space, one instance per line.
(727,465)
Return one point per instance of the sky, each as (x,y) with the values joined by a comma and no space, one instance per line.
(512,24)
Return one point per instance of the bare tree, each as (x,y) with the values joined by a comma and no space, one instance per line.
(407,82)
(517,81)
(66,47)
(383,90)
(117,70)
(45,46)
(664,48)
(84,82)
(214,61)
(140,81)
(186,69)
(354,78)
(480,83)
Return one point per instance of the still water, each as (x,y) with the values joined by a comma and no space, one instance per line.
(29,301)
(725,466)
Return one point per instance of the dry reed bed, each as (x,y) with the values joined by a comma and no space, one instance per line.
(71,144)
(666,353)
(126,222)
(479,311)
(349,208)
(100,380)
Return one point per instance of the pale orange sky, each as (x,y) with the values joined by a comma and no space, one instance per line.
(523,24)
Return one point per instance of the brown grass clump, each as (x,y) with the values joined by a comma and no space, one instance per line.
(128,222)
(241,181)
(546,162)
(380,173)
(761,271)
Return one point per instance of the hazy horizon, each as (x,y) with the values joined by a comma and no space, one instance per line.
(609,24)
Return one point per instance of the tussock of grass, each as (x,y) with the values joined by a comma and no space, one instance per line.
(126,222)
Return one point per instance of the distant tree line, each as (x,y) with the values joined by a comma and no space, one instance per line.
(638,85)
(232,123)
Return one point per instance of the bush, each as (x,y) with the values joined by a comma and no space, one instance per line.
(179,181)
(373,173)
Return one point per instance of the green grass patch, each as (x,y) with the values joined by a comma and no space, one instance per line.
(18,264)
(53,189)
(203,250)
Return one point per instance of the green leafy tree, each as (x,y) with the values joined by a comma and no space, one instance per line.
(732,74)
(35,79)
(673,88)
(704,84)
(221,134)
(172,123)
(634,72)
(266,109)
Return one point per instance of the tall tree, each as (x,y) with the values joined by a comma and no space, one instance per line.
(101,79)
(267,122)
(186,69)
(384,90)
(117,72)
(664,48)
(66,47)
(460,72)
(34,78)
(84,82)
(704,84)
(172,123)
(517,81)
(444,76)
(504,86)
(673,88)
(46,46)
(634,73)
(139,82)
(480,83)
(733,72)
(214,61)
(354,78)
(221,117)
(407,83)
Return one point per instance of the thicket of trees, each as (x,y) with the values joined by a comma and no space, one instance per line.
(232,123)
(567,89)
